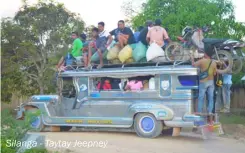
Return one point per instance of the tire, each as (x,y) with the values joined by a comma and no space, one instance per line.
(174,52)
(225,68)
(34,121)
(146,125)
(237,65)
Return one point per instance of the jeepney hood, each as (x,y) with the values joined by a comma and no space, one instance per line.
(44,98)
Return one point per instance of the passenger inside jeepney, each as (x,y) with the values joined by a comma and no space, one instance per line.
(104,84)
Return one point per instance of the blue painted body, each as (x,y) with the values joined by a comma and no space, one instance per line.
(171,101)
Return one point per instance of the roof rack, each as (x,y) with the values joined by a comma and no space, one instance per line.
(82,68)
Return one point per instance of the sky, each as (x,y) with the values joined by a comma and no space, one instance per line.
(94,11)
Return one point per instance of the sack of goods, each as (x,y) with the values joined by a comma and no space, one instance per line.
(125,54)
(139,52)
(113,53)
(130,60)
(95,57)
(115,61)
(155,53)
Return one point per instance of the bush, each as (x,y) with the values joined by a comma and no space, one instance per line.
(12,129)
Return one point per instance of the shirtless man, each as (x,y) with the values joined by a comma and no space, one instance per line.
(157,34)
(207,83)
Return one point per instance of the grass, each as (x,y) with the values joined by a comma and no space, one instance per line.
(232,119)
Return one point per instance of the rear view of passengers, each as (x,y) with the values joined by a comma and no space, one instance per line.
(123,35)
(144,31)
(157,34)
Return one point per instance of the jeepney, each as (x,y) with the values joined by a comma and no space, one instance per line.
(171,104)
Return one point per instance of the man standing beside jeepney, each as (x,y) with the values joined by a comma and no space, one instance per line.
(226,92)
(206,78)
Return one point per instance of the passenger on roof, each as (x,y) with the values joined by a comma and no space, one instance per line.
(143,32)
(157,34)
(123,35)
(76,52)
(99,44)
(137,33)
(104,33)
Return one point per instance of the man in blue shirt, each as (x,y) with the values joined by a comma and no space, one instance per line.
(123,35)
(137,33)
(226,92)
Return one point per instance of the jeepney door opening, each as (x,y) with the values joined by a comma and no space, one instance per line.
(189,83)
(67,87)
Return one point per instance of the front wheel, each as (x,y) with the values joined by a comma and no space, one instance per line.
(224,61)
(146,125)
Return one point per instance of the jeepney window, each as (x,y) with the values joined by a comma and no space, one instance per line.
(68,89)
(120,84)
(188,80)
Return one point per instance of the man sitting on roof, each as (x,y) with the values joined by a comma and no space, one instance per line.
(99,44)
(75,53)
(157,34)
(123,35)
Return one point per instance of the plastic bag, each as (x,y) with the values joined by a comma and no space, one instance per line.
(113,53)
(115,61)
(128,61)
(125,53)
(139,52)
(152,83)
(154,51)
(95,57)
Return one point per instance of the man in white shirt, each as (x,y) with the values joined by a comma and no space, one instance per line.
(104,33)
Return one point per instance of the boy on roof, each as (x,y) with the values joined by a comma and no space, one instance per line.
(99,44)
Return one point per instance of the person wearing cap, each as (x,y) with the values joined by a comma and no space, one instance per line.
(144,31)
(157,34)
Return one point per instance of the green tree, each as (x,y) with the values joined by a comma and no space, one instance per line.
(176,14)
(33,41)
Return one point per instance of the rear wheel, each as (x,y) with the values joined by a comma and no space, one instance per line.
(174,52)
(224,61)
(146,125)
(237,65)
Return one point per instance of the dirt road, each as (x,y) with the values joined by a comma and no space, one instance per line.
(104,142)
